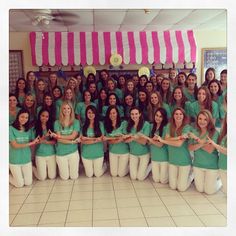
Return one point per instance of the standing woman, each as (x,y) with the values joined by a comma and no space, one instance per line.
(67,129)
(92,144)
(181,78)
(111,87)
(223,81)
(129,102)
(143,79)
(143,102)
(57,95)
(101,101)
(103,77)
(72,84)
(222,149)
(13,108)
(92,88)
(121,83)
(52,81)
(205,164)
(130,88)
(118,150)
(31,82)
(139,151)
(21,90)
(210,74)
(40,91)
(30,105)
(45,150)
(20,137)
(179,156)
(80,86)
(149,87)
(191,89)
(165,90)
(204,101)
(69,96)
(158,150)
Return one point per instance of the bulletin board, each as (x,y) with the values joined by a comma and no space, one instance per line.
(214,57)
(15,67)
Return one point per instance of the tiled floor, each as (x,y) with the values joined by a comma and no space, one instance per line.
(113,202)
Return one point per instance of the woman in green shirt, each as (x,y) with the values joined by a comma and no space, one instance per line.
(179,156)
(222,149)
(92,144)
(31,82)
(118,150)
(20,137)
(191,89)
(139,151)
(21,90)
(13,108)
(67,129)
(45,150)
(205,164)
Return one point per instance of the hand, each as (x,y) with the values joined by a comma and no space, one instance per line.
(36,140)
(210,141)
(77,140)
(159,139)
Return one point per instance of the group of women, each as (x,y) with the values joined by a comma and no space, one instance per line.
(166,125)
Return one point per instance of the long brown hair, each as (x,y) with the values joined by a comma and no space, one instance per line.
(183,99)
(173,127)
(210,126)
(208,101)
(223,132)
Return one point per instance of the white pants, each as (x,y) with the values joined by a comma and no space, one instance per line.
(160,172)
(119,164)
(138,166)
(68,165)
(205,180)
(21,174)
(46,166)
(223,176)
(94,167)
(179,177)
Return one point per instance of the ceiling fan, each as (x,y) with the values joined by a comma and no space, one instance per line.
(43,17)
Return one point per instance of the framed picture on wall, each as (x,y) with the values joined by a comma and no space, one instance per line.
(16,67)
(214,57)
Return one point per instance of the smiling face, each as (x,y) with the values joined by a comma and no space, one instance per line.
(66,110)
(172,74)
(223,78)
(21,84)
(29,101)
(142,96)
(31,77)
(202,121)
(210,75)
(68,94)
(48,100)
(87,96)
(178,116)
(12,101)
(112,100)
(149,87)
(90,114)
(56,93)
(44,117)
(103,95)
(165,85)
(53,78)
(113,114)
(181,78)
(178,94)
(214,88)
(23,118)
(41,86)
(130,86)
(159,79)
(79,79)
(135,80)
(154,99)
(143,81)
(191,81)
(111,85)
(158,117)
(92,88)
(201,95)
(129,100)
(72,83)
(122,80)
(135,115)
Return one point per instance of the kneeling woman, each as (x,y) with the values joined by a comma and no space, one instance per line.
(45,150)
(139,151)
(67,129)
(118,150)
(179,156)
(92,143)
(20,153)
(205,164)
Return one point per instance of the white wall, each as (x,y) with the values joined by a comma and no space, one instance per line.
(204,39)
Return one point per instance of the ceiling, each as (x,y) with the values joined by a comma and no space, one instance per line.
(119,20)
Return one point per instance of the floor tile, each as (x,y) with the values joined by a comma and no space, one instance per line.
(103,187)
(125,179)
(143,185)
(37,198)
(180,210)
(155,211)
(17,199)
(167,192)
(222,207)
(55,197)
(52,225)
(130,213)
(146,192)
(81,205)
(103,194)
(41,190)
(13,209)
(79,215)
(64,182)
(83,180)
(196,200)
(150,201)
(57,206)
(45,183)
(62,189)
(81,196)
(159,185)
(104,203)
(26,219)
(20,191)
(217,198)
(79,224)
(105,214)
(53,217)
(214,220)
(127,202)
(187,221)
(32,207)
(138,222)
(205,209)
(106,223)
(83,188)
(173,200)
(102,179)
(125,193)
(122,185)
(160,222)
(11,218)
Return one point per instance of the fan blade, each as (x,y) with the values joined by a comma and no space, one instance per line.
(64,14)
(66,22)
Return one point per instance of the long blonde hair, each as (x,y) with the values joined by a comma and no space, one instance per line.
(62,116)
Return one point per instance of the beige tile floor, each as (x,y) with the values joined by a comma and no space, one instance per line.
(113,202)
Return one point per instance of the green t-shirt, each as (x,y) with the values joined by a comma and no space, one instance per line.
(119,148)
(65,149)
(187,108)
(222,164)
(220,102)
(43,149)
(159,154)
(80,110)
(202,158)
(179,156)
(136,148)
(12,118)
(191,98)
(195,109)
(167,108)
(19,155)
(58,107)
(95,150)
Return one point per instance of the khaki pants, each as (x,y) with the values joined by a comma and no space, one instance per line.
(68,165)
(138,166)
(21,175)
(119,164)
(223,176)
(94,167)
(206,180)
(46,166)
(160,172)
(179,177)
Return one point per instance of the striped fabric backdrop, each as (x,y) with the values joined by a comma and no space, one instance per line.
(74,48)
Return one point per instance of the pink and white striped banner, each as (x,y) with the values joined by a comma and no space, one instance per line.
(75,48)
